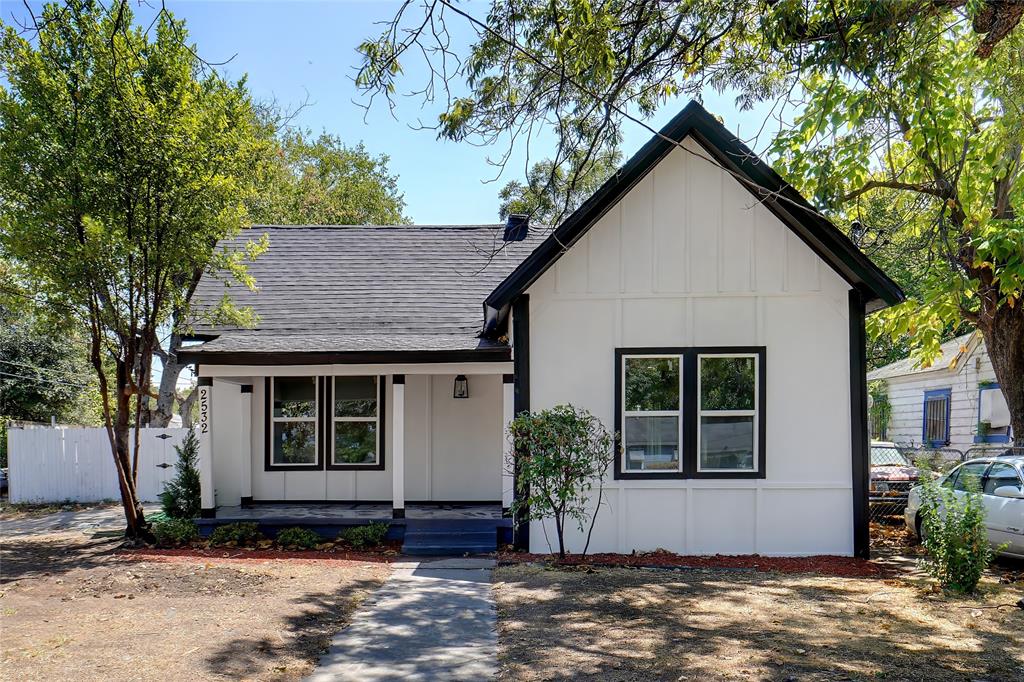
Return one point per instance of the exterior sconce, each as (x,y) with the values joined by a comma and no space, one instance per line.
(461,387)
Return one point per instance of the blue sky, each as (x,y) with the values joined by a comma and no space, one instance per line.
(294,50)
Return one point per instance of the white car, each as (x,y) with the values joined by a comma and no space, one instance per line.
(1001,480)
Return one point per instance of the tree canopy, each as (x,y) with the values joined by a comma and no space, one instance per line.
(123,160)
(318,180)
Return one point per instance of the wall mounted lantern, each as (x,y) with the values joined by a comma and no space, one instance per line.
(461,387)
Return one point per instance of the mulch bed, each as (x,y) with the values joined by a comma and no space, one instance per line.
(244,555)
(840,566)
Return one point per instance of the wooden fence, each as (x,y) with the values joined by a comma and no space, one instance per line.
(58,464)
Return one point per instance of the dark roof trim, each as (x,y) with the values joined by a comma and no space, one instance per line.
(792,209)
(344,357)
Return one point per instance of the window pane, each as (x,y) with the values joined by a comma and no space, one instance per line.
(651,443)
(294,396)
(969,477)
(652,384)
(935,420)
(355,442)
(727,383)
(355,397)
(999,475)
(727,443)
(294,443)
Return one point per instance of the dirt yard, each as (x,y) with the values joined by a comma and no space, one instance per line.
(628,624)
(73,608)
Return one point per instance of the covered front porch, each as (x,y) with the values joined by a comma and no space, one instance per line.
(354,443)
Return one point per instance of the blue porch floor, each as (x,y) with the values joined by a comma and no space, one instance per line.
(450,529)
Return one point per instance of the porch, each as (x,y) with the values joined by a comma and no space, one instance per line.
(325,447)
(426,529)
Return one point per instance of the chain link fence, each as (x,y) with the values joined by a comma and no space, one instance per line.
(895,469)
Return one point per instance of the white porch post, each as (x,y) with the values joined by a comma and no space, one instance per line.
(508,394)
(398,446)
(207,501)
(245,445)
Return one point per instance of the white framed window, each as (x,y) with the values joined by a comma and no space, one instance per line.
(727,412)
(356,422)
(294,431)
(652,425)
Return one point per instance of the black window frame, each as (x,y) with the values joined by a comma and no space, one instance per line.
(689,411)
(381,428)
(324,446)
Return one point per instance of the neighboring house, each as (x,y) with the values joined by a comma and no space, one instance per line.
(954,402)
(717,326)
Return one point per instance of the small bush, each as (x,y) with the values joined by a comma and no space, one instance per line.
(298,538)
(180,496)
(370,535)
(174,532)
(241,534)
(953,532)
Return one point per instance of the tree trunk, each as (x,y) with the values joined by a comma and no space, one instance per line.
(185,409)
(1004,339)
(160,416)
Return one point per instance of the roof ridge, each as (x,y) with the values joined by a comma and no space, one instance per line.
(479,226)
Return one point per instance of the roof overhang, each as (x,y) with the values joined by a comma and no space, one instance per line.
(828,242)
(500,354)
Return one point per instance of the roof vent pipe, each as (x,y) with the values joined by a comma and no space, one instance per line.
(517,226)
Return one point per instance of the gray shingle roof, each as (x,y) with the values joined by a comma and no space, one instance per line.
(364,288)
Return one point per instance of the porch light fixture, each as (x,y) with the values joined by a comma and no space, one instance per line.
(461,387)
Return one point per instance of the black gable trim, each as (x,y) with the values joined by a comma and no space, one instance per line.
(818,233)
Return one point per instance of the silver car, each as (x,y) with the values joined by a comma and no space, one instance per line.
(1001,480)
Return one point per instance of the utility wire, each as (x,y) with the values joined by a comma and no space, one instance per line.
(55,382)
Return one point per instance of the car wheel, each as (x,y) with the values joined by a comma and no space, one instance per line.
(919,527)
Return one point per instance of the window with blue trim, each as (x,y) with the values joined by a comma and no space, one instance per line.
(935,420)
(993,415)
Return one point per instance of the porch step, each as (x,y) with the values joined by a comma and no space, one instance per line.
(449,540)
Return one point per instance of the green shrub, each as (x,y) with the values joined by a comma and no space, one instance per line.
(180,497)
(174,532)
(241,534)
(369,535)
(298,538)
(953,533)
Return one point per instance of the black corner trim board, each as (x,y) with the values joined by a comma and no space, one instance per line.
(780,198)
(398,379)
(398,513)
(508,378)
(521,397)
(206,513)
(246,388)
(325,429)
(859,441)
(204,381)
(246,501)
(689,412)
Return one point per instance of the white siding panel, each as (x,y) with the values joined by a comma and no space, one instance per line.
(227,437)
(669,223)
(466,448)
(604,255)
(780,296)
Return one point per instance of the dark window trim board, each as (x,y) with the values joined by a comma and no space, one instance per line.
(268,439)
(859,439)
(521,401)
(382,399)
(689,446)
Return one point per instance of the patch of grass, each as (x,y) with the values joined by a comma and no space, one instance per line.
(298,538)
(360,537)
(237,534)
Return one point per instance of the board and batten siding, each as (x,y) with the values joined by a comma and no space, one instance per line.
(906,395)
(689,258)
(453,447)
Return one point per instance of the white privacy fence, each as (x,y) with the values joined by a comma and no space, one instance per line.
(57,464)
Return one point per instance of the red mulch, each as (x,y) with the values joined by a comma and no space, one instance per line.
(233,554)
(846,567)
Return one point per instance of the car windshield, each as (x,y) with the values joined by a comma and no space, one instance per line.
(883,456)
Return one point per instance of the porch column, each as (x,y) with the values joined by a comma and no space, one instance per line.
(207,501)
(508,392)
(398,446)
(245,438)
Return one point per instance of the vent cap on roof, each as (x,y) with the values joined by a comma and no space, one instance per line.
(517,226)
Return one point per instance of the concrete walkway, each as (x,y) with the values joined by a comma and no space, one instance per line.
(87,520)
(431,620)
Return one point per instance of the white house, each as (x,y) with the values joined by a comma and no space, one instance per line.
(954,402)
(388,360)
